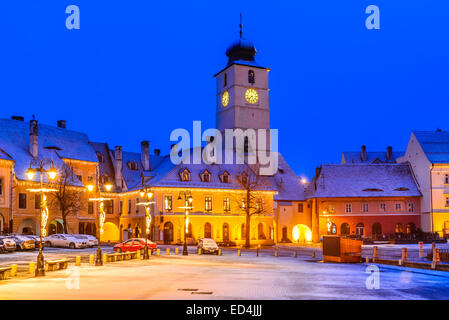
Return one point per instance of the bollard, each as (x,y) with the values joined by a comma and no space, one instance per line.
(257,252)
(168,251)
(138,254)
(404,255)
(400,262)
(78,261)
(32,267)
(313,254)
(13,271)
(294,254)
(436,256)
(375,253)
(219,252)
(105,258)
(275,253)
(238,252)
(199,251)
(91,259)
(176,251)
(158,252)
(366,259)
(420,251)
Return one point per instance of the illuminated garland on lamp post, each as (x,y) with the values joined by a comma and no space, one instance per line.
(188,199)
(101,217)
(38,166)
(148,194)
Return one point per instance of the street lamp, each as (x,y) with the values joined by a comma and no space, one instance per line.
(39,165)
(101,216)
(188,199)
(147,194)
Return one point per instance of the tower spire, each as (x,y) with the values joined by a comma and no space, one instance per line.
(241,26)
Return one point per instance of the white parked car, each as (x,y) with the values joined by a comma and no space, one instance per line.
(64,241)
(7,244)
(208,245)
(91,240)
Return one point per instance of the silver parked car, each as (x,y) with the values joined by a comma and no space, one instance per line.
(64,241)
(91,240)
(7,244)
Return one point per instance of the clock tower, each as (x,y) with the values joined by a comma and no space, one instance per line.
(242,90)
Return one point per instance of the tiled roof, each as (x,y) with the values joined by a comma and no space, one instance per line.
(435,145)
(362,180)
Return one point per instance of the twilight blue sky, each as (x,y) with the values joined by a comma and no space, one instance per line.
(138,69)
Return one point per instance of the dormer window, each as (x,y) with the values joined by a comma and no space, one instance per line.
(132,165)
(244,178)
(251,77)
(205,176)
(401,189)
(184,175)
(224,177)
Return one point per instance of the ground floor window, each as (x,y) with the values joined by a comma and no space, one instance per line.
(411,228)
(377,229)
(360,229)
(345,229)
(398,228)
(87,228)
(260,233)
(207,230)
(243,231)
(225,232)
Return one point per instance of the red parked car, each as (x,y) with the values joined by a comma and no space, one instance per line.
(134,244)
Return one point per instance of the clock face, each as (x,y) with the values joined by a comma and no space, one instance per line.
(225,99)
(251,96)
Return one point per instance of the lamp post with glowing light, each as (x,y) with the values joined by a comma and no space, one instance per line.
(147,194)
(39,165)
(188,199)
(101,216)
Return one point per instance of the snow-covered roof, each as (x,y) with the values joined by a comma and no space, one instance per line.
(364,180)
(164,173)
(53,143)
(371,157)
(435,145)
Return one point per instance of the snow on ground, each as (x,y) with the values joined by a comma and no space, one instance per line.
(228,277)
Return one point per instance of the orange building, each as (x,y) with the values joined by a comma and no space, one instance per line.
(368,200)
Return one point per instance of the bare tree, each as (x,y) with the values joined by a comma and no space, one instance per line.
(251,200)
(67,196)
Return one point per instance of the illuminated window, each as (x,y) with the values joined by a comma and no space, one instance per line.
(168,203)
(348,208)
(184,175)
(205,176)
(398,228)
(226,204)
(397,207)
(208,203)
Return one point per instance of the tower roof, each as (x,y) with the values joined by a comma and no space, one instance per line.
(241,50)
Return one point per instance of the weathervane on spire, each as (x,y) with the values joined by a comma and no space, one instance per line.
(241,26)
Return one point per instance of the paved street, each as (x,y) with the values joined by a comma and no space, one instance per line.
(228,277)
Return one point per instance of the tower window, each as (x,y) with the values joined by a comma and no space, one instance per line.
(251,77)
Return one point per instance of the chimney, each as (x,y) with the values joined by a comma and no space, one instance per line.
(157,152)
(389,154)
(145,155)
(118,166)
(33,138)
(18,118)
(363,154)
(61,124)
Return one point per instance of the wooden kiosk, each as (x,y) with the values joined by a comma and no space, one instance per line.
(340,249)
